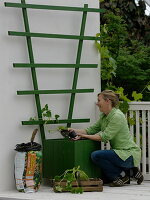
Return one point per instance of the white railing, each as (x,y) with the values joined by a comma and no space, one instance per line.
(140,112)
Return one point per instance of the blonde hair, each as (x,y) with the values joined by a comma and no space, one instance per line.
(111,95)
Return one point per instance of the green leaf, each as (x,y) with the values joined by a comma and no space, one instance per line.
(83,175)
(46,106)
(104,52)
(48,113)
(131,121)
(148,87)
(57,116)
(32,119)
(43,109)
(44,115)
(98,46)
(61,128)
(98,34)
(58,188)
(57,178)
(123,97)
(105,28)
(69,177)
(68,186)
(137,96)
(124,106)
(77,190)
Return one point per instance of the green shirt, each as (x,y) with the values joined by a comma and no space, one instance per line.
(114,128)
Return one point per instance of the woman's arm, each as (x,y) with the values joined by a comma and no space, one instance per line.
(90,137)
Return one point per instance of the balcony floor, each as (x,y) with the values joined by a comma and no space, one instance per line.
(128,192)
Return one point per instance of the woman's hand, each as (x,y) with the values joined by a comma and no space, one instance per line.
(77,137)
(80,133)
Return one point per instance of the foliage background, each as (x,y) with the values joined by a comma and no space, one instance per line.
(125,47)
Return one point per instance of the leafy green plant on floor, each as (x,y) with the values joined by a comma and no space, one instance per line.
(70,176)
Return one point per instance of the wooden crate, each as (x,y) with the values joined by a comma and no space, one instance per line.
(91,185)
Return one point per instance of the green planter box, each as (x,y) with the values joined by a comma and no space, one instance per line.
(62,154)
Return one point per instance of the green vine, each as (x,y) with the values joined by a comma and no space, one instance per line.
(46,116)
(70,176)
(124,106)
(108,63)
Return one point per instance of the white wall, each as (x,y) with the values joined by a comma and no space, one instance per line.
(13,108)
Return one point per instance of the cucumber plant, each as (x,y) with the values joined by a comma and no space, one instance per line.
(46,116)
(70,176)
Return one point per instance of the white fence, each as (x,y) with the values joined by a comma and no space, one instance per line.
(140,113)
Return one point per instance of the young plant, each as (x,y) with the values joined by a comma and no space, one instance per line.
(46,116)
(70,176)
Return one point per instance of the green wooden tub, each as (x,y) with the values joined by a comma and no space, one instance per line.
(62,154)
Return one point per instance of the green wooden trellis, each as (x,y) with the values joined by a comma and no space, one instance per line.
(36,92)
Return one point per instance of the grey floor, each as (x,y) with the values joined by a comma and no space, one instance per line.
(128,192)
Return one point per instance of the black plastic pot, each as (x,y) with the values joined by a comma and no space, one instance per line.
(68,134)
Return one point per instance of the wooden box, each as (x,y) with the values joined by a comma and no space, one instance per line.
(60,155)
(91,185)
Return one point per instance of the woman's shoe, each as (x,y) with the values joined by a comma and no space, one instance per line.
(120,181)
(137,175)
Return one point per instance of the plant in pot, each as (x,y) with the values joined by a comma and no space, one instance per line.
(65,133)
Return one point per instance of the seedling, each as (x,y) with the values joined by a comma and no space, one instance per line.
(70,176)
(46,116)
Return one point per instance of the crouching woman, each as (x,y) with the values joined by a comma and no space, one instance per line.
(124,155)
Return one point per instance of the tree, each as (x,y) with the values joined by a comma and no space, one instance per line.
(138,23)
(124,52)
